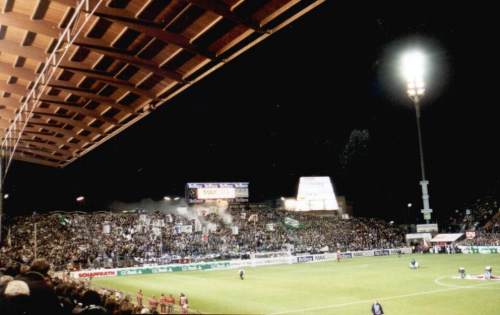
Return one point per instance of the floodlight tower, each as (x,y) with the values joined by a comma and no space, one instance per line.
(413,66)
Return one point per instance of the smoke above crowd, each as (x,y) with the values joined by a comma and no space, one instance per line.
(179,208)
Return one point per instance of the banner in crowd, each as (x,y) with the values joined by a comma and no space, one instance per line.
(198,227)
(106,228)
(253,218)
(234,230)
(291,222)
(63,220)
(159,223)
(144,219)
(182,228)
(470,235)
(156,231)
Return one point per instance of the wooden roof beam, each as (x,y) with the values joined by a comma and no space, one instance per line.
(31,132)
(39,152)
(25,22)
(108,78)
(74,107)
(223,10)
(154,30)
(32,159)
(106,101)
(50,29)
(131,59)
(87,93)
(21,90)
(54,147)
(29,75)
(69,121)
(18,72)
(59,142)
(58,129)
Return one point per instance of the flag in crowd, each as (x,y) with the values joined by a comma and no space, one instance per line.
(291,222)
(253,218)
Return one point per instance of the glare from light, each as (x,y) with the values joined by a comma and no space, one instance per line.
(177,198)
(409,205)
(282,198)
(80,198)
(413,69)
(6,196)
(167,198)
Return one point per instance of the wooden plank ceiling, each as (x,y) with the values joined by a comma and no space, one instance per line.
(135,55)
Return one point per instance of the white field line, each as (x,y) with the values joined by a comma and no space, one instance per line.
(318,308)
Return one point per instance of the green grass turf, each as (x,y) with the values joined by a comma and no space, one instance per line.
(346,288)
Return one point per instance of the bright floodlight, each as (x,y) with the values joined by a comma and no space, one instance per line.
(6,196)
(413,69)
(177,198)
(166,198)
(409,205)
(80,198)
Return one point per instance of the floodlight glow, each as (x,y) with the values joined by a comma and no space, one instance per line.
(177,198)
(413,68)
(166,198)
(6,196)
(80,198)
(409,205)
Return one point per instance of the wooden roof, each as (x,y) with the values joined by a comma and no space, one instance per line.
(132,56)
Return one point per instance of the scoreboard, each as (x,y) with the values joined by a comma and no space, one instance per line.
(203,192)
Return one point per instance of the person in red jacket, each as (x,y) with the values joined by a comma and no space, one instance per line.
(163,304)
(170,304)
(153,304)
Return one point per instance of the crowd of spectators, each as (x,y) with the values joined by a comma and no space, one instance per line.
(483,239)
(72,241)
(478,215)
(35,289)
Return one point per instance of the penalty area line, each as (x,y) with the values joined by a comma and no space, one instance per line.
(319,308)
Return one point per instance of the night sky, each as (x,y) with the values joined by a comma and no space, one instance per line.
(286,109)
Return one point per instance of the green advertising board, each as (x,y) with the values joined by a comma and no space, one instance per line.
(174,268)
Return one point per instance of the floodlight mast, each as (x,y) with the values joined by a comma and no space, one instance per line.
(413,68)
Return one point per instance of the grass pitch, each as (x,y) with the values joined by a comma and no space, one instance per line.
(348,287)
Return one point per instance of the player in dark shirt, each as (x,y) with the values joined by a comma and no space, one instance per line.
(461,271)
(242,274)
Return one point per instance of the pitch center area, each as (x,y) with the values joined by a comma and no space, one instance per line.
(348,287)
